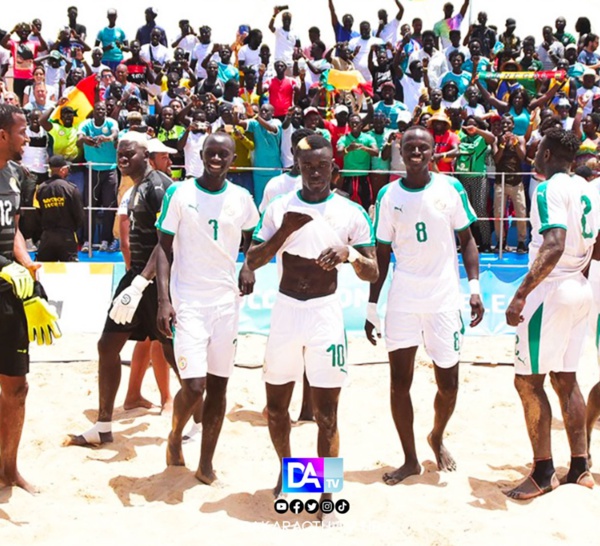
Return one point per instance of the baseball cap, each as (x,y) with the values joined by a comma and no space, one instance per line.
(68,110)
(571,46)
(563,101)
(589,72)
(404,116)
(55,55)
(155,146)
(341,108)
(310,110)
(57,162)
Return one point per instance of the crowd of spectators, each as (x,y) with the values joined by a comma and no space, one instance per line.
(486,93)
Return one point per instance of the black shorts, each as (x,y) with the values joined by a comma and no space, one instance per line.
(14,339)
(58,246)
(143,324)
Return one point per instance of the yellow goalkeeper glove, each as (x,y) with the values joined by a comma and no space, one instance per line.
(20,278)
(42,321)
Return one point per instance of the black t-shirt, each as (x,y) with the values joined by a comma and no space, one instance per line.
(60,205)
(144,205)
(79,29)
(11,178)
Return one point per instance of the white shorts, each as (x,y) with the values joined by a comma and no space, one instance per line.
(551,337)
(440,333)
(306,335)
(594,280)
(205,340)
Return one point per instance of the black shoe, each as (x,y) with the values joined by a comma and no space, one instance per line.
(521,248)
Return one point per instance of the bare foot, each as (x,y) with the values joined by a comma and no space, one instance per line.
(79,440)
(17,480)
(586,479)
(445,461)
(174,452)
(206,475)
(167,407)
(265,413)
(141,402)
(400,474)
(529,488)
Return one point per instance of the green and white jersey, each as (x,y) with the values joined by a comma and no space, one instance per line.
(336,221)
(207,228)
(420,225)
(571,203)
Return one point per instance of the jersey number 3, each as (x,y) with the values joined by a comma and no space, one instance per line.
(5,213)
(215,226)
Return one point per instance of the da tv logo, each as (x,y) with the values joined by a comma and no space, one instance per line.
(313,475)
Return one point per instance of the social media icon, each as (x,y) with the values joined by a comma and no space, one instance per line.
(311,506)
(342,506)
(326,506)
(296,506)
(281,506)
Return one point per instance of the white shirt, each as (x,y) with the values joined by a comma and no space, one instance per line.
(573,204)
(361,61)
(279,185)
(207,228)
(285,41)
(158,54)
(336,221)
(464,50)
(287,158)
(389,33)
(35,158)
(251,57)
(412,91)
(188,43)
(588,95)
(99,68)
(194,166)
(199,53)
(558,51)
(438,66)
(420,225)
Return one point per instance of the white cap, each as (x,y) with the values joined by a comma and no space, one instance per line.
(155,146)
(341,108)
(135,136)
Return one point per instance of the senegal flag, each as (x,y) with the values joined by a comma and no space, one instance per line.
(81,99)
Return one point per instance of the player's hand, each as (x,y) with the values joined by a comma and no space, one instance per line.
(42,321)
(331,257)
(477,310)
(165,319)
(293,221)
(125,304)
(246,280)
(514,310)
(373,323)
(21,279)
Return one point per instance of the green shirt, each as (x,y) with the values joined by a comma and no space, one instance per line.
(64,141)
(473,150)
(357,162)
(378,164)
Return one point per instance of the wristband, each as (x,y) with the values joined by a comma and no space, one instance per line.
(474,287)
(353,254)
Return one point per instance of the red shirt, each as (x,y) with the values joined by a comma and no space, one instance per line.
(281,94)
(336,133)
(23,54)
(445,143)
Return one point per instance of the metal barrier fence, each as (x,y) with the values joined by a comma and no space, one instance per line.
(493,175)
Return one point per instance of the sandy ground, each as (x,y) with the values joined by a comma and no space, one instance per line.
(124,492)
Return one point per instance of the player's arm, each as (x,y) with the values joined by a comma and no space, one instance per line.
(20,251)
(548,256)
(166,314)
(246,278)
(596,250)
(262,252)
(470,254)
(384,254)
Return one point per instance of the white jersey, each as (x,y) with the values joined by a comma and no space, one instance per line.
(336,221)
(122,210)
(207,228)
(571,203)
(279,185)
(420,225)
(194,166)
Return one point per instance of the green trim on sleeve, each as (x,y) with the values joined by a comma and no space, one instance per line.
(380,195)
(465,202)
(368,219)
(384,242)
(163,230)
(165,205)
(546,227)
(542,204)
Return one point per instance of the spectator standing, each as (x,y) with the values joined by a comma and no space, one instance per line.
(550,50)
(113,41)
(60,208)
(286,40)
(563,37)
(361,48)
(35,154)
(201,50)
(434,61)
(343,32)
(98,135)
(79,29)
(588,55)
(186,39)
(40,99)
(388,30)
(143,34)
(450,22)
(446,142)
(484,34)
(282,90)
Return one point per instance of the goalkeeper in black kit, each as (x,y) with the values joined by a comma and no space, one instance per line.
(24,312)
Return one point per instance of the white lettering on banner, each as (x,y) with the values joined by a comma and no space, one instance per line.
(499,303)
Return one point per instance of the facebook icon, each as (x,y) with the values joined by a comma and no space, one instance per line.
(313,475)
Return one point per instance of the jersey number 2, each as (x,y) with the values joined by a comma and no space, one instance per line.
(587,208)
(215,226)
(5,216)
